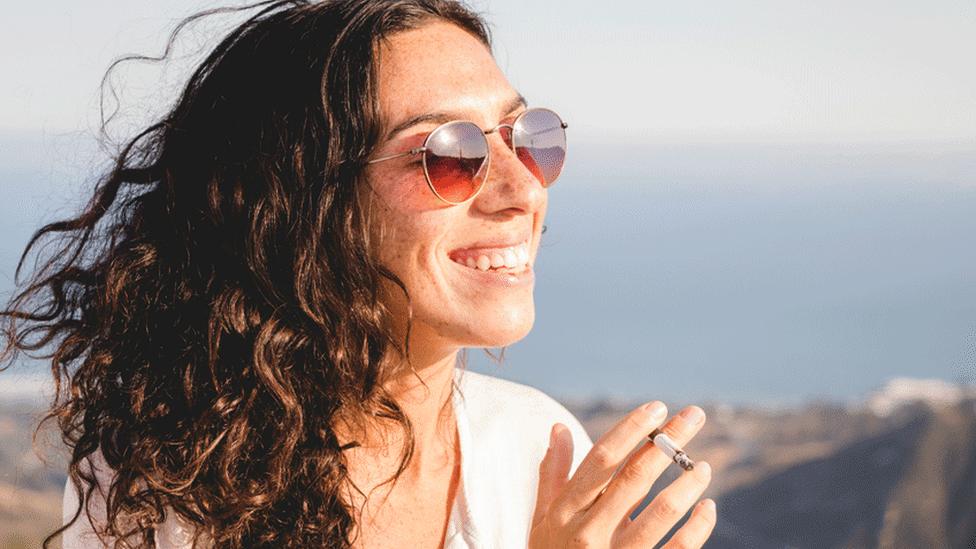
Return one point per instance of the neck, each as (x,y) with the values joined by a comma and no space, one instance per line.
(427,404)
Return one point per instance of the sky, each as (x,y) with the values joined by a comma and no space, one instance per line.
(872,70)
(764,201)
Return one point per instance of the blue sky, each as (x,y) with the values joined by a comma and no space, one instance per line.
(740,70)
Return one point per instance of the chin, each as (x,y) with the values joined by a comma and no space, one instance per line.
(502,332)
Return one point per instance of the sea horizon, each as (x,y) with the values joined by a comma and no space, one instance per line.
(731,272)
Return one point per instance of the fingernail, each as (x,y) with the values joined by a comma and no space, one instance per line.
(654,410)
(703,468)
(693,415)
(707,503)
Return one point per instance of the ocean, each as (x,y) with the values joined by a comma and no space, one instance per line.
(733,272)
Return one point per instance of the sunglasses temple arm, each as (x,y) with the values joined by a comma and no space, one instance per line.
(415,150)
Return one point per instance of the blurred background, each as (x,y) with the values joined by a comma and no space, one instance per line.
(769,210)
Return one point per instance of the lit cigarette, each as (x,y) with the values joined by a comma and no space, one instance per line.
(671,449)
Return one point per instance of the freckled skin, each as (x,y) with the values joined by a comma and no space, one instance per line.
(440,67)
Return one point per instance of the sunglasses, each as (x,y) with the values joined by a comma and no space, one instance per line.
(456,154)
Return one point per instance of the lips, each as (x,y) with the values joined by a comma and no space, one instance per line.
(498,242)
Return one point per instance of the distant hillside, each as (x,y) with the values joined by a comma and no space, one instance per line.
(827,476)
(901,473)
(30,492)
(911,486)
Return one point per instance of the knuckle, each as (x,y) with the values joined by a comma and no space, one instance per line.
(603,456)
(665,509)
(633,472)
(561,516)
(582,540)
(694,533)
(588,532)
(677,434)
(634,422)
(685,431)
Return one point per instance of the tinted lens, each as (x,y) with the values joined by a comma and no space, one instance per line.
(540,142)
(456,160)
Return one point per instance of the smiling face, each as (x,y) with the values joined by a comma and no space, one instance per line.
(427,243)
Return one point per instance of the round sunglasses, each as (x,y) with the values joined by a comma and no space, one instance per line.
(456,154)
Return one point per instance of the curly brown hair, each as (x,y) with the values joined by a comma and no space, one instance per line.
(215,307)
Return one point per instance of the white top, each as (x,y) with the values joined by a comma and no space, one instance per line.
(503,429)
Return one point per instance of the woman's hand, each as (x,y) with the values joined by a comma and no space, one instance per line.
(593,508)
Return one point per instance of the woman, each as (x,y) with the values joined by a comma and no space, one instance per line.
(262,349)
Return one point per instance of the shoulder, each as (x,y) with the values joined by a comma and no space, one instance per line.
(88,521)
(508,397)
(85,530)
(502,409)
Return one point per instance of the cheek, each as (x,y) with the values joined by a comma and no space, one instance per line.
(400,215)
(414,222)
(402,183)
(412,242)
(407,194)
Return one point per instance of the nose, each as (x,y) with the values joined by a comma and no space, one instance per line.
(510,185)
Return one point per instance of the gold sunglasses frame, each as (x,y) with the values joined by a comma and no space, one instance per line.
(510,144)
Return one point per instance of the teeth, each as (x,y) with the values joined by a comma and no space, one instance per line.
(510,258)
(515,257)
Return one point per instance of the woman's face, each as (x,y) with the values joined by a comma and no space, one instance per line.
(440,68)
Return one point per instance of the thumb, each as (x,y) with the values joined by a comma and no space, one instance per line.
(553,470)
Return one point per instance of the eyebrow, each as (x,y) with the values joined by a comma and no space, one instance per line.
(447,116)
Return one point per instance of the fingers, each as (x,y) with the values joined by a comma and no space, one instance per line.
(696,529)
(667,508)
(681,429)
(597,468)
(554,469)
(631,484)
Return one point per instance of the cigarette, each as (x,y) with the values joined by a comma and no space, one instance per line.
(671,449)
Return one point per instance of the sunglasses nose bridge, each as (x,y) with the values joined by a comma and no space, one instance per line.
(508,184)
(505,159)
(505,132)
